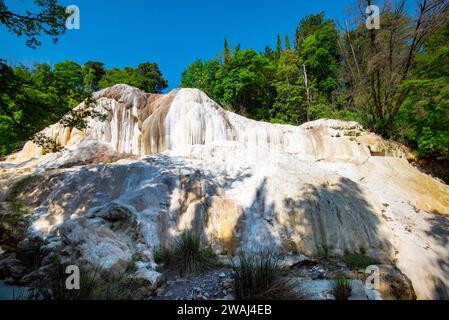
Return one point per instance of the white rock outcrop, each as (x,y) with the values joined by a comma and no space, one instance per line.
(326,187)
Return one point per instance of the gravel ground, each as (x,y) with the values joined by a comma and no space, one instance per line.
(209,285)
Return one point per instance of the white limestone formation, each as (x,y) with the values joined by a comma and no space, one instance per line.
(161,164)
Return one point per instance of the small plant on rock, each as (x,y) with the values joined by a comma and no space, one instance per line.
(260,277)
(188,256)
(359,261)
(342,288)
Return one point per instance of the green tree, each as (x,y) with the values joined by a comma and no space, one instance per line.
(308,26)
(287,43)
(146,77)
(423,117)
(68,81)
(151,78)
(290,103)
(93,72)
(321,56)
(50,20)
(226,52)
(202,75)
(245,84)
(278,45)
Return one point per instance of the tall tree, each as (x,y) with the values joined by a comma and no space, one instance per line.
(308,26)
(278,44)
(289,105)
(387,57)
(245,84)
(146,77)
(93,72)
(287,43)
(151,78)
(202,75)
(423,117)
(320,54)
(226,52)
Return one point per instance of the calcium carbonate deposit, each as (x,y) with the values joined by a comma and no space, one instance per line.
(162,164)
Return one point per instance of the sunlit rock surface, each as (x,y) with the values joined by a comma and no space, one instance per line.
(162,164)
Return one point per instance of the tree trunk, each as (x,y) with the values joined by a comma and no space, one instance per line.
(309,98)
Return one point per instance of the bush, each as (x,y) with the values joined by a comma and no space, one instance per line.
(359,261)
(342,288)
(260,277)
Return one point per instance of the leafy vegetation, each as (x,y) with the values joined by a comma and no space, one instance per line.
(392,80)
(359,260)
(33,98)
(187,257)
(49,20)
(260,277)
(342,288)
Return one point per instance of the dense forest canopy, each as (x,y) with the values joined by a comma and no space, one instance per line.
(394,80)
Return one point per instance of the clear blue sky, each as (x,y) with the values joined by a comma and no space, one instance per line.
(172,33)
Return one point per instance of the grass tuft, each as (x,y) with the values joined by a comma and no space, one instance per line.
(342,288)
(359,261)
(260,277)
(188,256)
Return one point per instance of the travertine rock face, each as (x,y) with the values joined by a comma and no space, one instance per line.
(144,124)
(326,187)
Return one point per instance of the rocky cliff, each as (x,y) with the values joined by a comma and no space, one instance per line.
(162,164)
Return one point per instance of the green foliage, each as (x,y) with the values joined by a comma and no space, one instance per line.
(244,83)
(260,277)
(16,214)
(241,82)
(146,77)
(359,261)
(46,143)
(133,265)
(93,72)
(308,26)
(49,20)
(423,117)
(341,289)
(321,57)
(201,75)
(159,255)
(33,98)
(271,86)
(188,256)
(290,104)
(379,78)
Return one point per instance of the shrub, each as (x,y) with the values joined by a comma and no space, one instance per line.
(342,288)
(187,256)
(159,255)
(260,277)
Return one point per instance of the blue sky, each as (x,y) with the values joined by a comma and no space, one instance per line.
(172,33)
